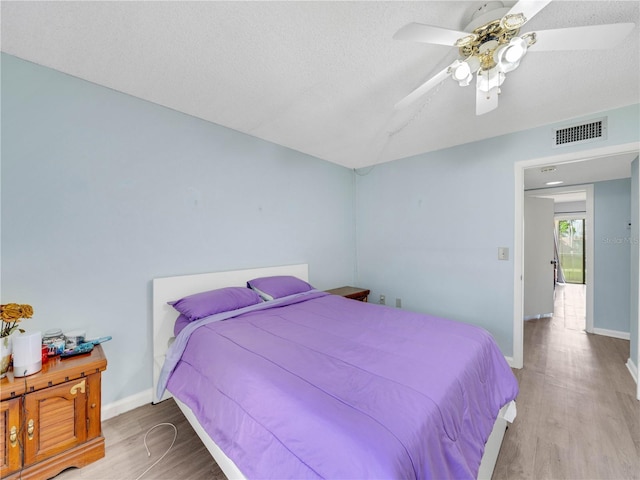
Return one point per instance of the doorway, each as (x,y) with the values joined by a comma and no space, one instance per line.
(577,157)
(574,204)
(631,149)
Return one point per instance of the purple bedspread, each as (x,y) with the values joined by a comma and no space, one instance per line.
(335,388)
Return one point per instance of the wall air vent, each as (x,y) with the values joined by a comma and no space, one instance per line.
(582,133)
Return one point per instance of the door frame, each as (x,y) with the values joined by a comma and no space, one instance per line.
(589,244)
(517,361)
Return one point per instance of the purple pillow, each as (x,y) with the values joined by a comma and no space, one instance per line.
(181,322)
(203,304)
(270,288)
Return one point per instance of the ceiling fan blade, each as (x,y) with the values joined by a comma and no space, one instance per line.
(590,37)
(528,8)
(423,89)
(417,32)
(486,101)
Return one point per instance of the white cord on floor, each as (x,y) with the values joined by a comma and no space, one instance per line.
(175,435)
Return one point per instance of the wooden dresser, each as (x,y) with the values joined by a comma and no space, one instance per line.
(51,419)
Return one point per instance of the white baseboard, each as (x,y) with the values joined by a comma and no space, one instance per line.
(510,361)
(633,369)
(123,405)
(612,333)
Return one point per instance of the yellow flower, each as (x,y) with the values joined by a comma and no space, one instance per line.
(11,314)
(27,311)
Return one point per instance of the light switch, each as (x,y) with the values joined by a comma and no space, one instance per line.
(503,253)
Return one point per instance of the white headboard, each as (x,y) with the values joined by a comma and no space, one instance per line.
(173,288)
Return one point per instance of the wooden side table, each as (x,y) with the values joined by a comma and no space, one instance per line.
(51,420)
(355,293)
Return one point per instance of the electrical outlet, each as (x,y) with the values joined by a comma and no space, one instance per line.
(398,303)
(382,300)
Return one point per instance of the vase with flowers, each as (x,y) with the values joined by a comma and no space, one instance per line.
(11,314)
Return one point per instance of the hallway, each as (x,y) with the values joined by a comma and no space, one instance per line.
(570,306)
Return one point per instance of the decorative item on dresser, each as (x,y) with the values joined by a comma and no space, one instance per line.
(51,420)
(10,316)
(356,293)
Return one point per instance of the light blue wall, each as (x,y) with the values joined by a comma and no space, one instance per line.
(428,233)
(429,227)
(612,255)
(635,251)
(102,192)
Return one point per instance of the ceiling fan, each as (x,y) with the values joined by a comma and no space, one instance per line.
(491,46)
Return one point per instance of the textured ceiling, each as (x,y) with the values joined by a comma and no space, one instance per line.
(322,77)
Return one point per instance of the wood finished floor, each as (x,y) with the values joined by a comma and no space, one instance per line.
(126,457)
(577,415)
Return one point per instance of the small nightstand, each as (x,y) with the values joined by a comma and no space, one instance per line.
(355,293)
(51,419)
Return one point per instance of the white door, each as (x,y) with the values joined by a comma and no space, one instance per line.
(538,273)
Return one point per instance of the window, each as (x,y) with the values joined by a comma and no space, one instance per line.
(571,249)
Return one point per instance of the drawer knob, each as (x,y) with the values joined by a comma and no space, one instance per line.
(13,436)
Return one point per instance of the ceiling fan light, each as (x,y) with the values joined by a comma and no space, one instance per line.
(507,57)
(461,72)
(515,51)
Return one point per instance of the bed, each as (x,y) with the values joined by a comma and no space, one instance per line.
(312,385)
